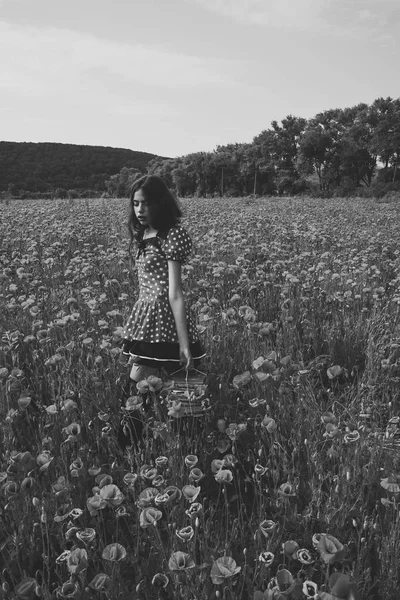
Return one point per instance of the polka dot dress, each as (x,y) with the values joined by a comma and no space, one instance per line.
(150,332)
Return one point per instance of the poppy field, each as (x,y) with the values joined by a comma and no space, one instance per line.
(287,487)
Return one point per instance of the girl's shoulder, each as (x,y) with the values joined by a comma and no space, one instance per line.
(178,243)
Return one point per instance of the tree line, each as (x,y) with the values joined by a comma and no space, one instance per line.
(339,151)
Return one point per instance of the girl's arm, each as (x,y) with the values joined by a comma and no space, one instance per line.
(177,303)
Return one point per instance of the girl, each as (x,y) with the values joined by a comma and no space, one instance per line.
(160,332)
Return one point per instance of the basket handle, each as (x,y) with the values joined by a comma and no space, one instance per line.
(187,372)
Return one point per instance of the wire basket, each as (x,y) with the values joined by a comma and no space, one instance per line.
(187,397)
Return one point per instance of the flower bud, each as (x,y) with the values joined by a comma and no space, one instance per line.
(35,501)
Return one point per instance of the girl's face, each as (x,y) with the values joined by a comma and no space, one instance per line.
(141,208)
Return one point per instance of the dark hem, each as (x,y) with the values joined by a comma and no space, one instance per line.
(161,351)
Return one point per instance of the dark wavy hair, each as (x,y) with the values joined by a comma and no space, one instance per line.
(164,209)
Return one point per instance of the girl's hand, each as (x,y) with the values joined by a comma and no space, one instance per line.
(186,358)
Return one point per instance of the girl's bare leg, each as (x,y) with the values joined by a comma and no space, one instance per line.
(139,372)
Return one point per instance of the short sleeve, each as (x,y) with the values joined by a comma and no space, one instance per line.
(178,244)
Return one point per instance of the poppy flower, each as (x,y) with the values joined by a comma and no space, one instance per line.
(44,460)
(94,504)
(61,486)
(185,534)
(73,429)
(196,474)
(267,527)
(114,552)
(391,484)
(173,492)
(223,568)
(329,547)
(259,469)
(112,495)
(303,555)
(161,461)
(230,460)
(329,417)
(121,512)
(148,472)
(27,483)
(351,436)
(223,476)
(150,384)
(191,460)
(290,547)
(62,513)
(70,589)
(217,464)
(63,557)
(234,430)
(100,582)
(86,535)
(149,517)
(223,446)
(160,580)
(284,580)
(310,590)
(133,403)
(77,561)
(269,424)
(194,509)
(158,481)
(287,490)
(76,468)
(24,402)
(180,561)
(161,498)
(146,497)
(331,431)
(191,492)
(94,470)
(240,381)
(267,558)
(130,479)
(334,371)
(175,409)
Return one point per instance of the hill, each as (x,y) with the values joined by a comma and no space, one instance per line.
(43,167)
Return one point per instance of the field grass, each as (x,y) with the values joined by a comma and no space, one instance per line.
(287,488)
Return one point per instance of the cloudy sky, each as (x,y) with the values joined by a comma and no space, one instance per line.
(177,76)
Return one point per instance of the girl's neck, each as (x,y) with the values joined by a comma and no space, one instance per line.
(149,232)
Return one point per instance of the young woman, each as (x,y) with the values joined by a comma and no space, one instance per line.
(160,332)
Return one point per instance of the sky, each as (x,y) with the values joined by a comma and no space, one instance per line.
(173,77)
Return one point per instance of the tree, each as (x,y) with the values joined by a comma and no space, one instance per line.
(385,141)
(119,185)
(314,151)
